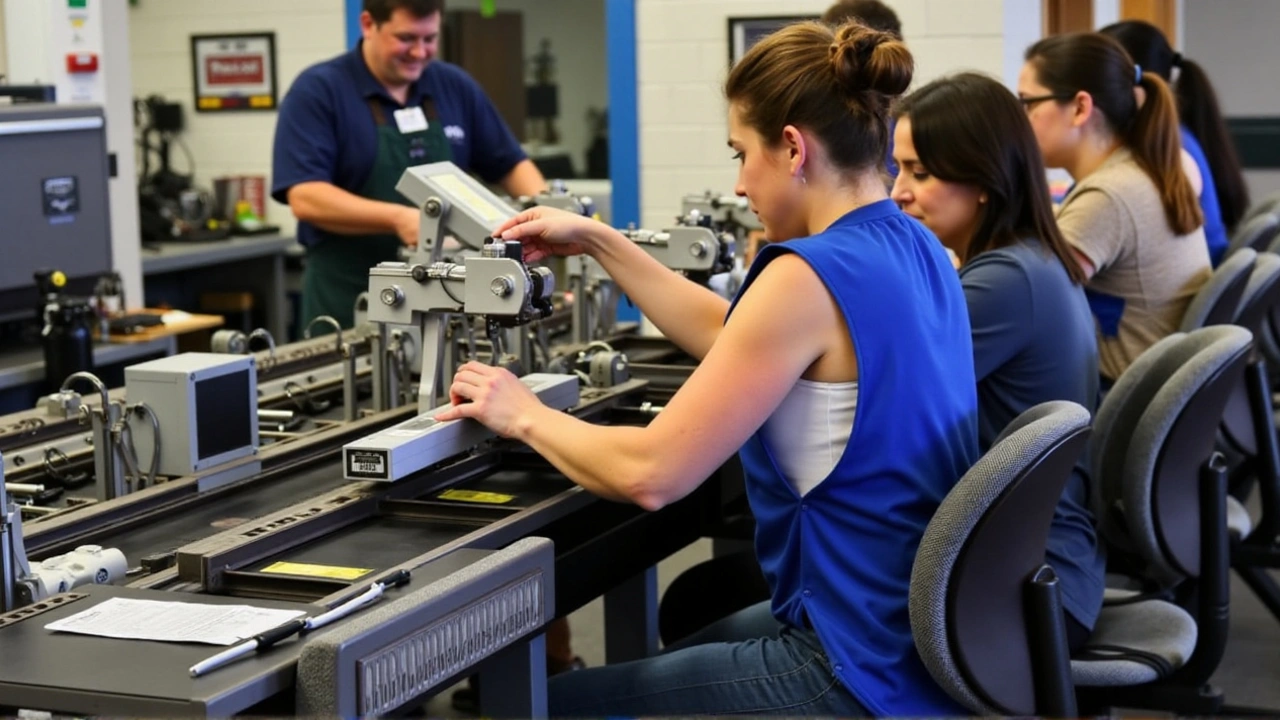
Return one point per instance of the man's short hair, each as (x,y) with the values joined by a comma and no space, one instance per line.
(381,10)
(872,13)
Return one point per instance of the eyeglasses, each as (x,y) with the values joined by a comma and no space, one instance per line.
(1031,102)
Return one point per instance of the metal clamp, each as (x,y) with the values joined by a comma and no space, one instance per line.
(327,320)
(262,334)
(57,474)
(307,404)
(98,385)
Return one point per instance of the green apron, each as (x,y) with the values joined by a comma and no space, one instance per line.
(337,267)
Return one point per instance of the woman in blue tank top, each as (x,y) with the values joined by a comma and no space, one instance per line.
(972,173)
(852,303)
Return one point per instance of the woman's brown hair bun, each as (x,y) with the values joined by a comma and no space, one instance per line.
(866,59)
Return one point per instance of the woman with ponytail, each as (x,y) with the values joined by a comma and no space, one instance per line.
(1132,217)
(1224,197)
(833,376)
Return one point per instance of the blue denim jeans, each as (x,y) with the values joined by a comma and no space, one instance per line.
(747,663)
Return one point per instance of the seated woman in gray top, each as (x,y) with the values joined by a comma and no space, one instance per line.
(971,172)
(1133,217)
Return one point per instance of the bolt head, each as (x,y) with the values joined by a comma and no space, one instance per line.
(501,286)
(391,296)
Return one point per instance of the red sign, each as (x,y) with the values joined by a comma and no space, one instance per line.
(253,191)
(234,70)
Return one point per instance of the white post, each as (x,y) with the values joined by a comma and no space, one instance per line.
(1105,12)
(117,72)
(40,37)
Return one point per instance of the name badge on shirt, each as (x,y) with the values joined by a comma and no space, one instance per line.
(411,120)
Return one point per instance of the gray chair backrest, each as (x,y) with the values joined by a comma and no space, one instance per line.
(1173,437)
(1261,293)
(1268,339)
(1266,205)
(1260,302)
(1117,416)
(1257,233)
(1217,301)
(983,544)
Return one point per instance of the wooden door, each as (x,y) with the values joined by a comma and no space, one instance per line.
(491,50)
(1066,16)
(1161,13)
(1063,16)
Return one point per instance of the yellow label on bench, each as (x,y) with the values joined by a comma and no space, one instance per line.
(323,571)
(488,498)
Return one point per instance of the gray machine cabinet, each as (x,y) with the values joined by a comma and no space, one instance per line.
(53,193)
(207,404)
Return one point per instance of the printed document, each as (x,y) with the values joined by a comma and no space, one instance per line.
(164,621)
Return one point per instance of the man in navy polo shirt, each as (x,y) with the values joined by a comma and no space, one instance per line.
(350,126)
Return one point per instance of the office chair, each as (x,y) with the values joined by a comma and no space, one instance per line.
(1257,232)
(985,610)
(1218,300)
(1160,496)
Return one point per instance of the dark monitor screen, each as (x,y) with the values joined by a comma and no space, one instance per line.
(223,406)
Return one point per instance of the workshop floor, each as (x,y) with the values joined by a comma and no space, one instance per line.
(1249,674)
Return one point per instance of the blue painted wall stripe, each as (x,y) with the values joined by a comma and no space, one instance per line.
(354,8)
(624,119)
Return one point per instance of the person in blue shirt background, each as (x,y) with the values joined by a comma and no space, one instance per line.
(1224,195)
(350,126)
(832,375)
(971,171)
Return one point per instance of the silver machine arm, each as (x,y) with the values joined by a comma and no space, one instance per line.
(497,284)
(692,247)
(687,248)
(726,212)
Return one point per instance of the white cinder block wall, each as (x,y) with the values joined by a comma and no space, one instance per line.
(231,143)
(4,53)
(1238,51)
(308,31)
(683,60)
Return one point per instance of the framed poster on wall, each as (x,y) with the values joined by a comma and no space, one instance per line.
(234,71)
(747,31)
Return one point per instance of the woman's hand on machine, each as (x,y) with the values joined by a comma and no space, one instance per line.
(548,231)
(492,396)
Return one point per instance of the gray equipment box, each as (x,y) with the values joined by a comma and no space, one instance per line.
(207,405)
(53,195)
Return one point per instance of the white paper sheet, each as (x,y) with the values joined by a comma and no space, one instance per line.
(173,621)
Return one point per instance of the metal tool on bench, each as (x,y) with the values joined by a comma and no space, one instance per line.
(21,585)
(497,286)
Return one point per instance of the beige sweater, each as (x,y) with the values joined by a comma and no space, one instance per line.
(1145,274)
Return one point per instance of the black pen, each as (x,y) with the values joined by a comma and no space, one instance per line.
(300,625)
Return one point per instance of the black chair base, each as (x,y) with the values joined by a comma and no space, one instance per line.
(1263,586)
(1246,711)
(1178,699)
(1047,636)
(1251,556)
(1255,552)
